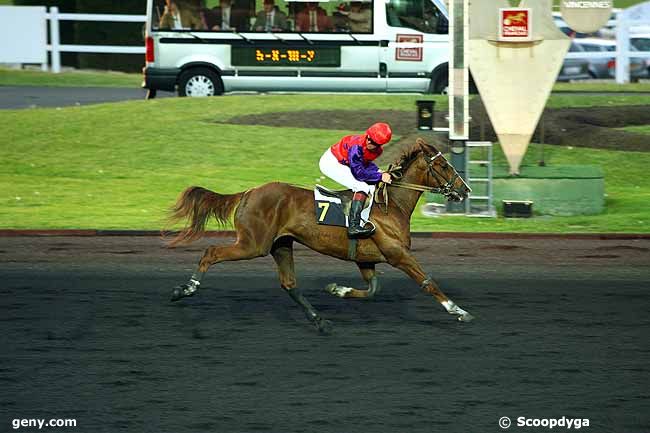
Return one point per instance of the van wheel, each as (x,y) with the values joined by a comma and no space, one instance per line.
(199,82)
(440,86)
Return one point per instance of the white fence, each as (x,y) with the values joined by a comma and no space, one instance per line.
(35,24)
(56,48)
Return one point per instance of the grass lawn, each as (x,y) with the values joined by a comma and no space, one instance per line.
(120,166)
(586,86)
(12,77)
(644,129)
(626,3)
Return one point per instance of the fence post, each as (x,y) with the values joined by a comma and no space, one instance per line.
(622,48)
(45,65)
(54,40)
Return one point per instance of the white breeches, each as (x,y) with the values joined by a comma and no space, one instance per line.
(340,173)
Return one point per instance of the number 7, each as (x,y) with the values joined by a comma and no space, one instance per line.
(324,205)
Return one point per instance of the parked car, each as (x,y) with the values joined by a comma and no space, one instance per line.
(574,69)
(609,30)
(573,34)
(613,21)
(641,42)
(605,67)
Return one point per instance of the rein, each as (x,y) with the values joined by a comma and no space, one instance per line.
(381,193)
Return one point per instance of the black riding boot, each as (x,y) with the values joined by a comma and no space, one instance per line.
(355,231)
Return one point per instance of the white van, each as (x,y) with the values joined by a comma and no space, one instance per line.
(205,48)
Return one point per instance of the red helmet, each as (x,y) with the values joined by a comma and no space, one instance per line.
(380,133)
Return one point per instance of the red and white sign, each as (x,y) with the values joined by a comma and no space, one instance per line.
(413,54)
(515,24)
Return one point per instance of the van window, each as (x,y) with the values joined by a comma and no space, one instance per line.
(262,16)
(420,15)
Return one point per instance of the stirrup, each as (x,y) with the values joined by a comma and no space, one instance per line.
(362,232)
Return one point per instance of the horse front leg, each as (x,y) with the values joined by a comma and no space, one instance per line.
(404,261)
(369,275)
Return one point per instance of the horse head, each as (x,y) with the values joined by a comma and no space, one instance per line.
(431,168)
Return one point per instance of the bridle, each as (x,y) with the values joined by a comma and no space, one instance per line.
(446,186)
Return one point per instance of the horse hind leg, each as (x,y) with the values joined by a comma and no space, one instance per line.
(369,275)
(240,250)
(282,253)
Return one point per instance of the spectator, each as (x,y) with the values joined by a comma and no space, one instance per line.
(175,19)
(358,18)
(313,19)
(225,17)
(271,19)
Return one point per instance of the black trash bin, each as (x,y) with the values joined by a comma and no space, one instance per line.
(425,114)
(517,208)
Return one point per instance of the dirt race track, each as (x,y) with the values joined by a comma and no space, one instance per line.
(562,329)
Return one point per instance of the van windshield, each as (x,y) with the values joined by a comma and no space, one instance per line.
(421,15)
(262,16)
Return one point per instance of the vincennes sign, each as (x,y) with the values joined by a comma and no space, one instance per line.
(586,16)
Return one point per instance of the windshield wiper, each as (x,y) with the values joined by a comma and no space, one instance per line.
(355,39)
(309,41)
(243,37)
(284,41)
(197,37)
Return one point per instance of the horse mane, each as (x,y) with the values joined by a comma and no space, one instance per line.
(412,152)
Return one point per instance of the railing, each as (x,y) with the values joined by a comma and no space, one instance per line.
(56,48)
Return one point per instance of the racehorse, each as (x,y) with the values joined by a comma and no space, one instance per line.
(269,218)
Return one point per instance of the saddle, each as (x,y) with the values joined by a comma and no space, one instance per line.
(332,208)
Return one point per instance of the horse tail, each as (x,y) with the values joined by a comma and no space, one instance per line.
(197,205)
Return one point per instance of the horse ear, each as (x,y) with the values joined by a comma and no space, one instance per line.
(423,145)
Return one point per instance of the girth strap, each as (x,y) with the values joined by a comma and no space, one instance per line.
(352,249)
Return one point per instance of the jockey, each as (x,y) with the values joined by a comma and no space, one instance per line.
(349,162)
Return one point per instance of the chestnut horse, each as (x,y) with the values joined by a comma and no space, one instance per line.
(269,218)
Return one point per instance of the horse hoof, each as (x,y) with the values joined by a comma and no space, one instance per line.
(465,318)
(325,327)
(181,292)
(177,294)
(336,290)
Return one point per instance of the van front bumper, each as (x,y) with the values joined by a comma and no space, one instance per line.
(160,78)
